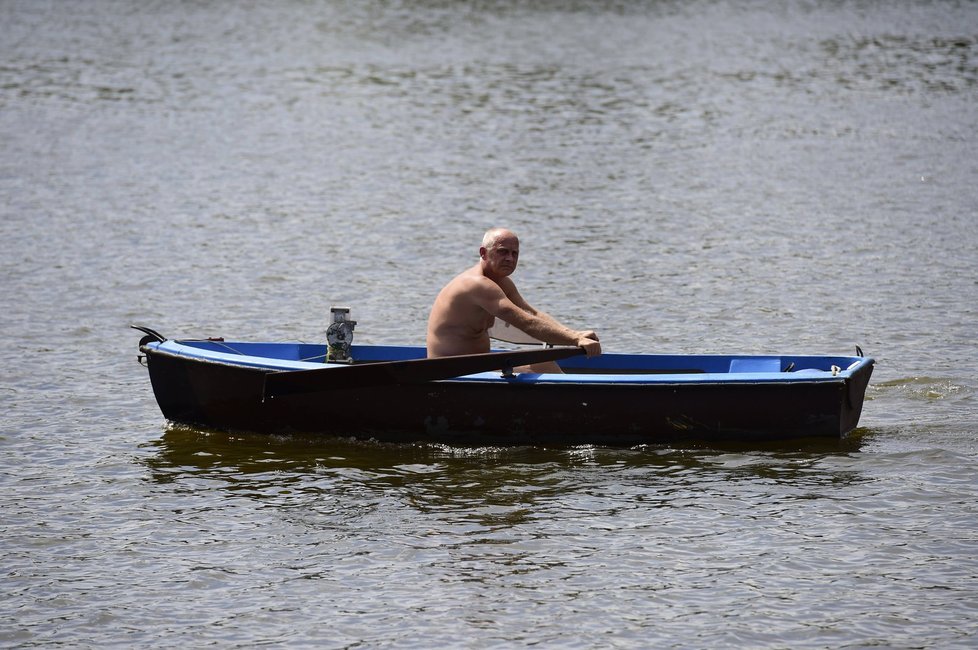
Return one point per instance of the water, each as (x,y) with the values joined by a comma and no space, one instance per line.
(686,177)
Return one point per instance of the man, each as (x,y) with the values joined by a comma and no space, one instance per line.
(468,305)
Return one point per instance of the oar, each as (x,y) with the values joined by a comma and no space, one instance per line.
(386,373)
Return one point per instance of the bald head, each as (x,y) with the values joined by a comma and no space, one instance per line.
(493,235)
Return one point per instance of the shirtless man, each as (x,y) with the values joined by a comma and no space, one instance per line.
(471,302)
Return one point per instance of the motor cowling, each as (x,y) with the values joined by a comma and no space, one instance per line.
(339,336)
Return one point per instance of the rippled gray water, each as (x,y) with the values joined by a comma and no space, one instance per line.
(686,177)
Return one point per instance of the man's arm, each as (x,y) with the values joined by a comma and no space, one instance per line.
(509,288)
(506,303)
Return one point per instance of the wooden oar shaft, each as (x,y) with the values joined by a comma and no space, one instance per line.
(386,373)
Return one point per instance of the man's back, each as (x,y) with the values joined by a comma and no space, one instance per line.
(457,323)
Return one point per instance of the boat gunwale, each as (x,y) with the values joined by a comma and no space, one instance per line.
(179,349)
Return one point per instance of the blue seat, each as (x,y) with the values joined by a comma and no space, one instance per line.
(764,364)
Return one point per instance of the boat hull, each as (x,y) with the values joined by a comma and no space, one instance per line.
(231,397)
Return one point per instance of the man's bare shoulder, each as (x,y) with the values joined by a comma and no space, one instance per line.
(472,281)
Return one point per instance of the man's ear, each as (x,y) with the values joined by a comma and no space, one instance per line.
(482,252)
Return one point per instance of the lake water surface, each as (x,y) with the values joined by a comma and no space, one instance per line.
(686,176)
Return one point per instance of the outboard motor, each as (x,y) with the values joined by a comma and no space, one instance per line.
(339,336)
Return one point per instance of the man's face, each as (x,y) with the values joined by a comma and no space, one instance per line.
(503,256)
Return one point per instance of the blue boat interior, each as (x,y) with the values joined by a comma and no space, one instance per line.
(298,356)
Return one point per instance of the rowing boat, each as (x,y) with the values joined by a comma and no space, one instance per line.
(393,393)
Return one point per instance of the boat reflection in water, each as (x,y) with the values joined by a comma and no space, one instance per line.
(487,482)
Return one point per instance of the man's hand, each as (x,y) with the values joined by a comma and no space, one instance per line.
(589,341)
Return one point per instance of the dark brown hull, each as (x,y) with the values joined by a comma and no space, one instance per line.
(229,397)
